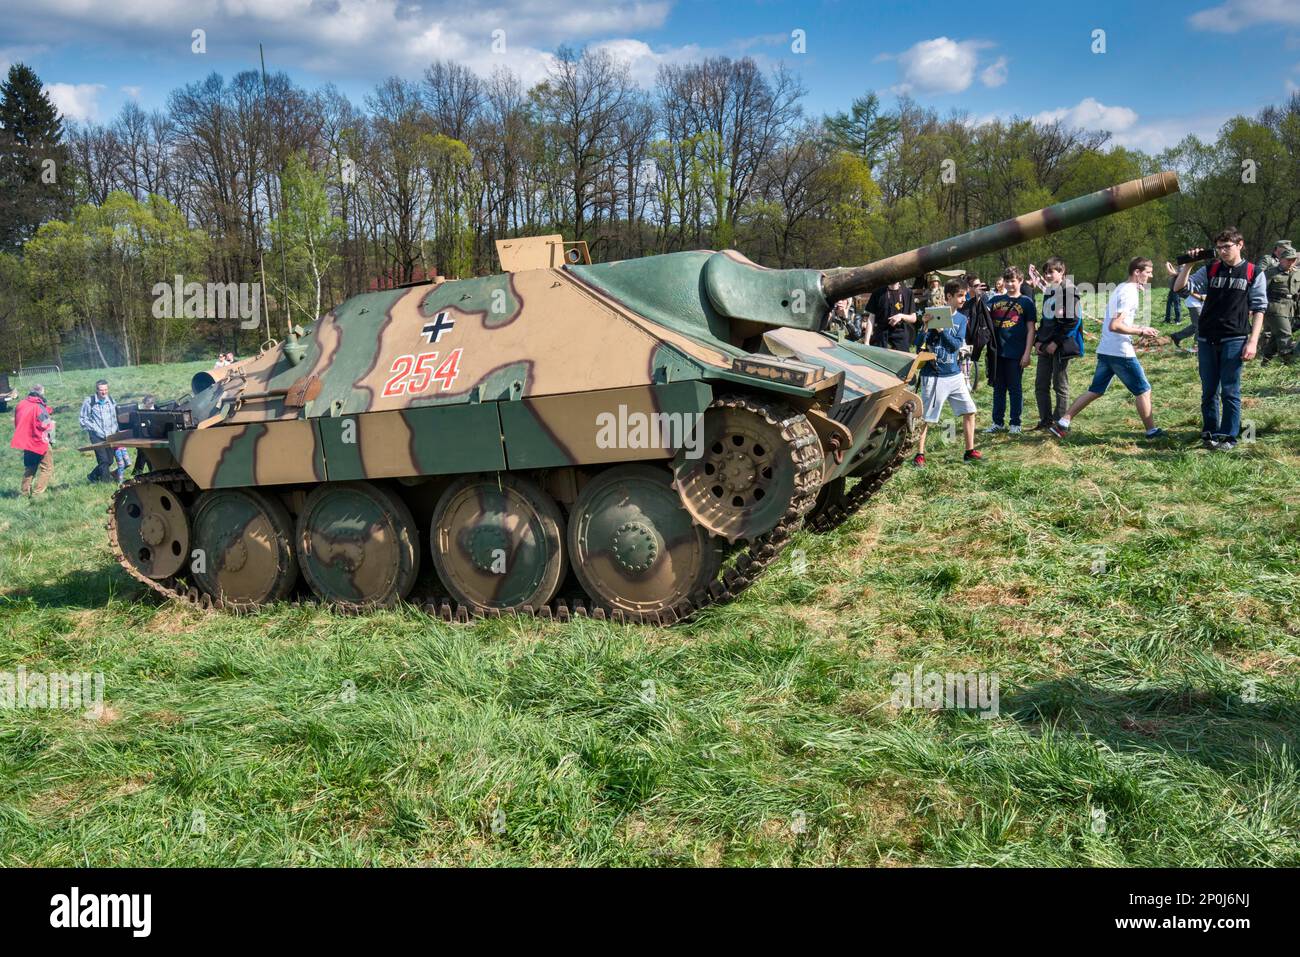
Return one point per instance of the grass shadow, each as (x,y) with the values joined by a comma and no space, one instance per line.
(1273,391)
(1215,728)
(85,589)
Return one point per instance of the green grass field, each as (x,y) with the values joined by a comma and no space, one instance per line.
(1136,601)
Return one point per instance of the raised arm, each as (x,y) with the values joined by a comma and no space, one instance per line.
(1185,270)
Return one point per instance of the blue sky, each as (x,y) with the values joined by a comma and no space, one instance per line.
(1176,67)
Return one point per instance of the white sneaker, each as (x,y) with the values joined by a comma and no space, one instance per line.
(992,428)
(1015,430)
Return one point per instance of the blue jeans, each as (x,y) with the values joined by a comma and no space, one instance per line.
(1007,380)
(1220,364)
(1174,304)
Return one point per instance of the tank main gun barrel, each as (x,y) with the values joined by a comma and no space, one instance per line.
(842,283)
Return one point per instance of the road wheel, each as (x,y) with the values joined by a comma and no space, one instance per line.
(243,542)
(357,545)
(498,542)
(634,547)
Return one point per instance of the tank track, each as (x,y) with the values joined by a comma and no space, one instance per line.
(750,561)
(837,513)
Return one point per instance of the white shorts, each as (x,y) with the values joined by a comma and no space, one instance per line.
(949,388)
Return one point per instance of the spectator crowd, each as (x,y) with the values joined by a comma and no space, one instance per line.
(1237,310)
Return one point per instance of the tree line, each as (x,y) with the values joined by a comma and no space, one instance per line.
(254,179)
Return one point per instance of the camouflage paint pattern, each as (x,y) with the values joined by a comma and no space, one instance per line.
(876,400)
(243,547)
(356,544)
(632,544)
(864,368)
(498,542)
(544,432)
(260,453)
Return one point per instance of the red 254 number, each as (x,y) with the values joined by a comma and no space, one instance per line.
(413,374)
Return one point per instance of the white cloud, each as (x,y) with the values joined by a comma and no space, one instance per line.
(643,62)
(1155,135)
(132,91)
(763,40)
(22,54)
(941,65)
(1233,16)
(1089,114)
(76,101)
(995,74)
(340,38)
(1128,129)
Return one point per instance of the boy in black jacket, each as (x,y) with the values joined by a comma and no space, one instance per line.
(1058,340)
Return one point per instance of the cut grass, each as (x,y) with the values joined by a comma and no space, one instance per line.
(1127,595)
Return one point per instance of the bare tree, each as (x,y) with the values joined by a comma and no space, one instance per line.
(395,174)
(738,116)
(584,99)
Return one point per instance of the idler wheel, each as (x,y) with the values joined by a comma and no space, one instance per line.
(632,544)
(357,544)
(243,541)
(498,542)
(153,531)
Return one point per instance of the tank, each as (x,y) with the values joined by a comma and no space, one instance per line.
(632,440)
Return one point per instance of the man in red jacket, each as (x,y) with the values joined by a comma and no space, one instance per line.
(32,427)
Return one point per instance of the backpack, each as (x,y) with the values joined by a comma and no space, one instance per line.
(980,331)
(1250,270)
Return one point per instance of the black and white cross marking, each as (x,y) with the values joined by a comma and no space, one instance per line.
(433,331)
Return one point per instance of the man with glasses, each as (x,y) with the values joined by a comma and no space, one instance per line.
(1227,333)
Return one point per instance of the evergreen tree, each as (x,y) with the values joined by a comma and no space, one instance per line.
(865,130)
(34,173)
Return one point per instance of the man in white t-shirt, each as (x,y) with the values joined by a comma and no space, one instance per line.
(1116,355)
